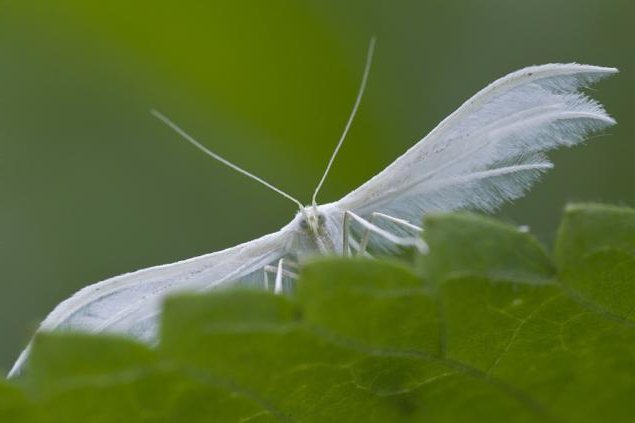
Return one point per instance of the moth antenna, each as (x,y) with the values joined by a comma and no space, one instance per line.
(215,156)
(360,93)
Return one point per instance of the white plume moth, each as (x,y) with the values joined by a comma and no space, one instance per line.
(490,150)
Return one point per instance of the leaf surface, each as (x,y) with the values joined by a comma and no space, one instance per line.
(486,327)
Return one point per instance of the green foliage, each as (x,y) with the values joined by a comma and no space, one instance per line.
(487,327)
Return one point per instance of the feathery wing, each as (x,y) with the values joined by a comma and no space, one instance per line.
(129,304)
(491,149)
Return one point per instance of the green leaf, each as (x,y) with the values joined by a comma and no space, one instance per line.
(483,328)
(14,406)
(268,351)
(465,243)
(79,377)
(595,252)
(565,359)
(382,297)
(588,228)
(101,379)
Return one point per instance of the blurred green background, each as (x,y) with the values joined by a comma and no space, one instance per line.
(92,186)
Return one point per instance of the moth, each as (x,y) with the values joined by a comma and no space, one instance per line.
(489,151)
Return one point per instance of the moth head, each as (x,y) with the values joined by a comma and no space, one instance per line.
(311,219)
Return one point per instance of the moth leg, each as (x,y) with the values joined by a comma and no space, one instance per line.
(364,243)
(265,274)
(397,240)
(401,222)
(398,221)
(356,247)
(348,241)
(280,272)
(292,264)
(285,272)
(278,286)
(346,228)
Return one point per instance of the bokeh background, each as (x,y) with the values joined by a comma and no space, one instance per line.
(92,186)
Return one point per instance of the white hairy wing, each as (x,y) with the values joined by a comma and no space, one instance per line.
(491,149)
(129,304)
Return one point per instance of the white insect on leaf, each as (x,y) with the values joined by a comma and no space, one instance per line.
(490,150)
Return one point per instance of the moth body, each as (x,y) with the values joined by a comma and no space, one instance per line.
(322,226)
